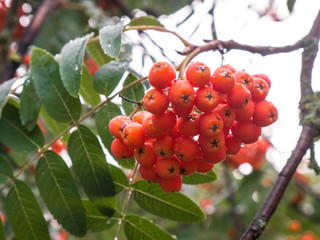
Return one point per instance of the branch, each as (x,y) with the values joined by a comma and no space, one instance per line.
(29,35)
(257,226)
(259,223)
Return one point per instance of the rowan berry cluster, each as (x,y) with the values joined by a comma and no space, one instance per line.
(190,125)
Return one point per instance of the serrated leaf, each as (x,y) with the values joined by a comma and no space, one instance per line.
(106,79)
(2,232)
(90,165)
(87,90)
(135,93)
(136,227)
(145,20)
(110,39)
(14,135)
(71,62)
(290,4)
(6,171)
(29,105)
(103,117)
(97,53)
(120,179)
(5,89)
(96,221)
(54,127)
(174,206)
(24,213)
(50,89)
(200,178)
(59,192)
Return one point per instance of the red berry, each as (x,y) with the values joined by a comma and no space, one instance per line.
(133,135)
(246,113)
(264,77)
(245,79)
(211,144)
(214,158)
(210,124)
(233,144)
(163,146)
(165,122)
(161,75)
(168,167)
(223,80)
(171,184)
(117,124)
(156,101)
(260,89)
(265,113)
(206,99)
(139,116)
(149,173)
(188,126)
(238,97)
(186,148)
(187,168)
(145,155)
(198,74)
(204,166)
(121,150)
(58,146)
(148,128)
(245,131)
(181,94)
(227,114)
(228,66)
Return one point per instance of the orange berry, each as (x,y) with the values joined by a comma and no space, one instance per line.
(133,135)
(198,74)
(161,75)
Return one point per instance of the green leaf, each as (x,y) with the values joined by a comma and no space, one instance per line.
(120,179)
(103,117)
(19,158)
(200,178)
(135,93)
(90,165)
(174,206)
(2,232)
(59,192)
(290,4)
(145,20)
(54,127)
(50,89)
(97,53)
(71,62)
(106,79)
(5,89)
(96,221)
(14,135)
(6,171)
(29,105)
(136,227)
(87,90)
(126,163)
(24,213)
(110,39)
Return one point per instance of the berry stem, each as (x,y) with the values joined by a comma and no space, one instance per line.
(126,200)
